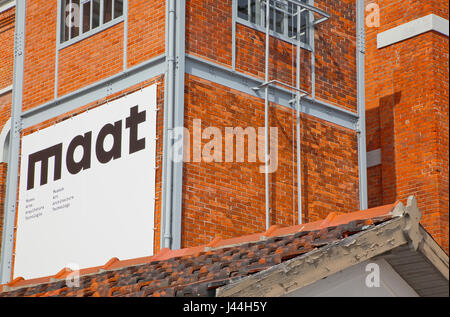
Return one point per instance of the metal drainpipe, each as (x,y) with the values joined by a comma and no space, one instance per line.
(266,117)
(360,60)
(170,113)
(299,152)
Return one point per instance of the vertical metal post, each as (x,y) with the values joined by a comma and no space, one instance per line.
(112,9)
(14,151)
(233,35)
(92,15)
(298,104)
(360,60)
(125,33)
(266,116)
(258,13)
(165,161)
(172,174)
(101,12)
(59,30)
(313,52)
(170,87)
(80,21)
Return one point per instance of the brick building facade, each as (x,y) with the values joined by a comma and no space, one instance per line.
(219,57)
(407,109)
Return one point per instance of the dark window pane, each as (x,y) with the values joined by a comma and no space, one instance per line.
(75,21)
(292,21)
(304,30)
(118,8)
(96,14)
(253,11)
(279,21)
(107,11)
(243,9)
(86,17)
(65,28)
(271,19)
(283,18)
(271,16)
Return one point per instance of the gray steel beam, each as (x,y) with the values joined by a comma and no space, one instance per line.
(14,150)
(245,83)
(360,60)
(94,92)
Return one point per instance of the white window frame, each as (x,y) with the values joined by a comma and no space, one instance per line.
(62,15)
(260,27)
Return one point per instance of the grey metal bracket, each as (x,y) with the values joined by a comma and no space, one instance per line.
(17,126)
(361,40)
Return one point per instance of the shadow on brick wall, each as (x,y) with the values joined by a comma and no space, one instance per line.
(387,106)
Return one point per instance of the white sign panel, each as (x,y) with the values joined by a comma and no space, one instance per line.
(87,188)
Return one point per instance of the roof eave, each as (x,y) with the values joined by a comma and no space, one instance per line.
(403,229)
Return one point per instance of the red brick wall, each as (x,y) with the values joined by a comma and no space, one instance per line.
(209,35)
(83,63)
(250,57)
(209,29)
(335,42)
(440,71)
(91,60)
(227,199)
(374,186)
(407,115)
(146,30)
(6,47)
(40,37)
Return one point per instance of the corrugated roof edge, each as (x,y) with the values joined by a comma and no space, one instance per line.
(333,219)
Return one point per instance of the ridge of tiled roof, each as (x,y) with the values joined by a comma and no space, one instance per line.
(197,271)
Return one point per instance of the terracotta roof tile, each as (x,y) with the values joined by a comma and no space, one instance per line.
(197,271)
